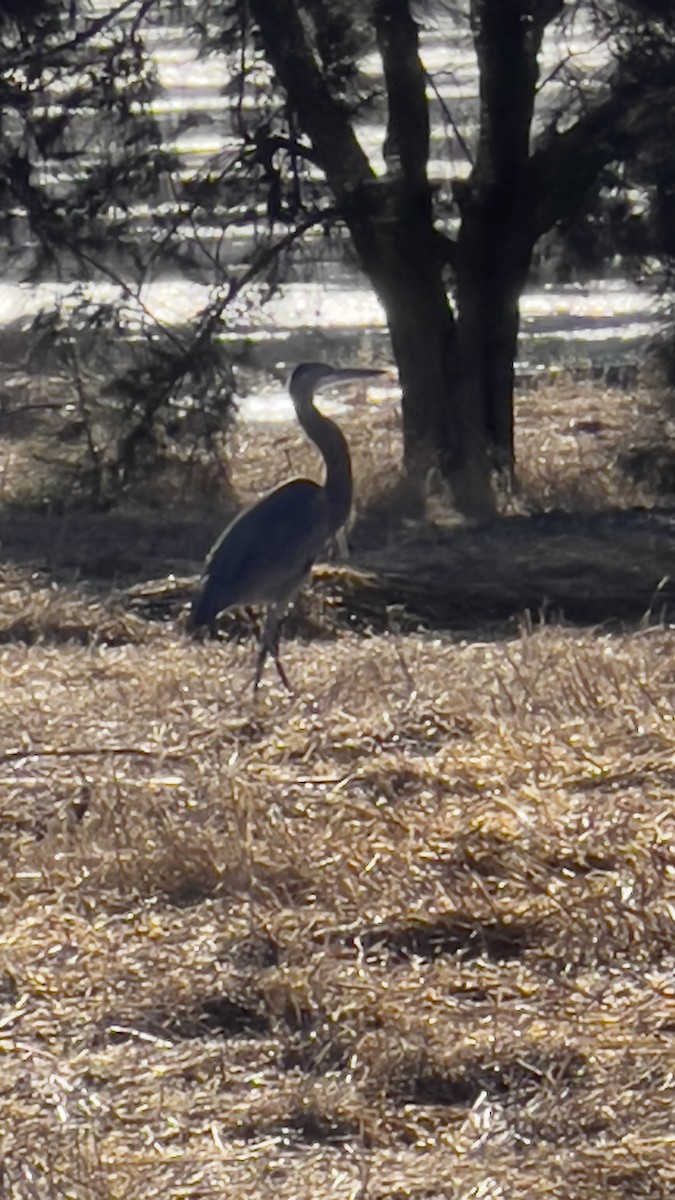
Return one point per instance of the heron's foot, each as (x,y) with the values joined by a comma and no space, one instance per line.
(259,670)
(282,674)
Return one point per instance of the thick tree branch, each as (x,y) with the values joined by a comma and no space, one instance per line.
(323,116)
(565,166)
(507,39)
(407,141)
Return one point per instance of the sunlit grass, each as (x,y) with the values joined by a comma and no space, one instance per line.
(406,932)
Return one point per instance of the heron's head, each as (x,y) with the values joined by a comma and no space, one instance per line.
(308,377)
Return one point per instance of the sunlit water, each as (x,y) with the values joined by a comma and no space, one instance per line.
(575,317)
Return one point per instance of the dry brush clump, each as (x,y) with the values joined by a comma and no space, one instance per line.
(408,932)
(582,447)
(34,608)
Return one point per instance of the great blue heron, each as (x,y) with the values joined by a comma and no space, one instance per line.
(266,552)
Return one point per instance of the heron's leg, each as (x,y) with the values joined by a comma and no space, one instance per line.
(342,545)
(270,645)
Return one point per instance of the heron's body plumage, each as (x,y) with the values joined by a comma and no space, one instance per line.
(242,569)
(264,555)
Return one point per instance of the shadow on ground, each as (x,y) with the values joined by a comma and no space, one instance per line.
(101,550)
(582,568)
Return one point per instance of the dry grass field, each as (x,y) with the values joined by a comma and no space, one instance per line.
(408,932)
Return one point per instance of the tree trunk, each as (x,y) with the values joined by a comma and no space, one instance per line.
(494,257)
(390,219)
(497,230)
(456,374)
(392,230)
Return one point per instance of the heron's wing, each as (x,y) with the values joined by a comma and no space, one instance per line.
(264,554)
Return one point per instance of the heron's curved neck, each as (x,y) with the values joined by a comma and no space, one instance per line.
(330,440)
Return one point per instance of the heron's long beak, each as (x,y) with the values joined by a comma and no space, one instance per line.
(345,374)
